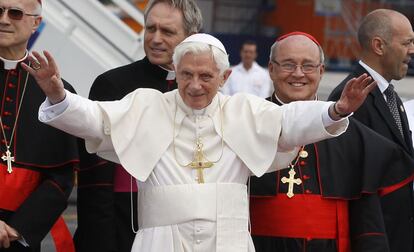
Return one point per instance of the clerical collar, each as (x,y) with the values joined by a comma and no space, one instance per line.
(12,64)
(381,82)
(277,99)
(209,110)
(170,75)
(282,103)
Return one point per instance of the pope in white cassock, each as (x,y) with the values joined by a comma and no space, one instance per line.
(192,150)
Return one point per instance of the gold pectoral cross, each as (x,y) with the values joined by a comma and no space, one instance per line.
(9,158)
(200,162)
(291,180)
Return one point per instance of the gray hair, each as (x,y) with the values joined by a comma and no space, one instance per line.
(221,59)
(376,23)
(193,21)
(38,9)
(276,44)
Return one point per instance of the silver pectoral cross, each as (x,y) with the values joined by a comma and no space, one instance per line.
(9,158)
(291,180)
(200,162)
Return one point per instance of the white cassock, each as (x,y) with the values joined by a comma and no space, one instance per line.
(175,213)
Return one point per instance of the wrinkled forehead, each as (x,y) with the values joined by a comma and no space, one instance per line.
(298,44)
(198,56)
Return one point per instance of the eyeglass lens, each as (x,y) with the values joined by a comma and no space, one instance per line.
(12,13)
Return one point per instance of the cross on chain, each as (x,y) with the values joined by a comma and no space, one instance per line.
(9,158)
(291,180)
(199,162)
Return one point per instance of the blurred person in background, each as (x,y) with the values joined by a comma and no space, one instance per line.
(248,76)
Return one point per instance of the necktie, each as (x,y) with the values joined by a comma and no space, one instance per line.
(392,104)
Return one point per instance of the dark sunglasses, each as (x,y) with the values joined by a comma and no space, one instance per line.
(14,13)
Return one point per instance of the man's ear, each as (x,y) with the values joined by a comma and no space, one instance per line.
(378,45)
(226,75)
(270,66)
(37,22)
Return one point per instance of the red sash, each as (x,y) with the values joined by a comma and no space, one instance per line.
(62,237)
(307,216)
(15,187)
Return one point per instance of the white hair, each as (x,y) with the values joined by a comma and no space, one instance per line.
(37,8)
(221,58)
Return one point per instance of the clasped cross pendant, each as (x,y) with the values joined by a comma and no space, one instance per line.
(9,159)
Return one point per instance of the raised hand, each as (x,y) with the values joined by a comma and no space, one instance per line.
(353,95)
(46,74)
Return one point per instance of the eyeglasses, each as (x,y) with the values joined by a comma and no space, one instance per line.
(290,67)
(15,13)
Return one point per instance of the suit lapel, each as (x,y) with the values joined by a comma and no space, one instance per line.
(384,111)
(381,106)
(405,125)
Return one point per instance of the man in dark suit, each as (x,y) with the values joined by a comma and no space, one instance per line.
(105,203)
(387,41)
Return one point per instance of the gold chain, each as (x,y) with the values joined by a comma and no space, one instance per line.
(7,143)
(302,148)
(199,144)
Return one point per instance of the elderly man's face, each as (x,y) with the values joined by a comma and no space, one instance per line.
(14,34)
(198,79)
(164,30)
(297,85)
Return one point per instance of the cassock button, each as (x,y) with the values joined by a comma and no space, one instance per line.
(13,72)
(6,127)
(306,177)
(308,191)
(302,163)
(8,99)
(107,130)
(11,85)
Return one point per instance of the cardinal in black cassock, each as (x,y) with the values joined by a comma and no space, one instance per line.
(337,176)
(34,193)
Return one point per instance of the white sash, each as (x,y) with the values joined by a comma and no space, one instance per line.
(224,203)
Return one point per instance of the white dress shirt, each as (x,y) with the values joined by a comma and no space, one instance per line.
(255,81)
